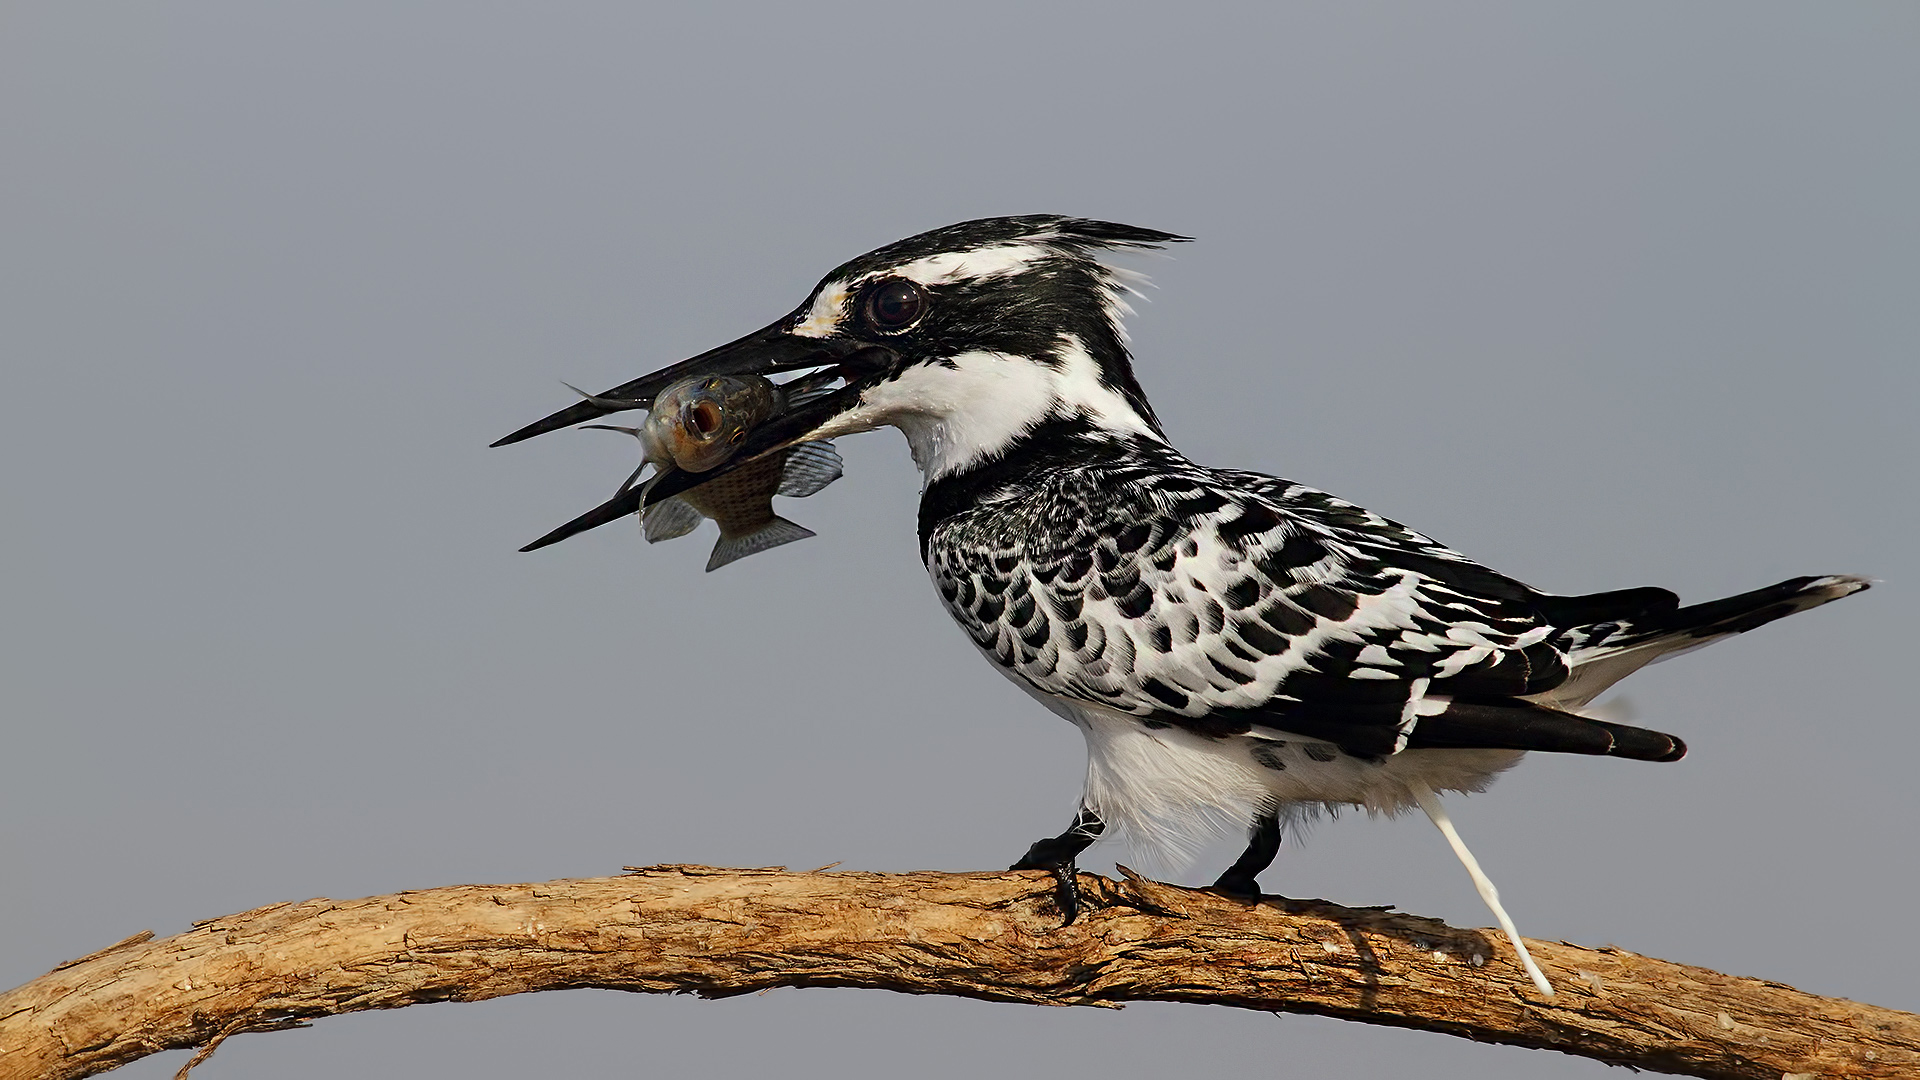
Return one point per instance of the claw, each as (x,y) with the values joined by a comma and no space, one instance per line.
(1066,879)
(1067,893)
(1055,854)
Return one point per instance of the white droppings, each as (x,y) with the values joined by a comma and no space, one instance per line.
(1489,895)
(1726,1021)
(1332,948)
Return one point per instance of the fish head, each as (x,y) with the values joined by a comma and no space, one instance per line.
(700,423)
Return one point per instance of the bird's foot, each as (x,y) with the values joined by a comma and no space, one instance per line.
(1048,855)
(1241,887)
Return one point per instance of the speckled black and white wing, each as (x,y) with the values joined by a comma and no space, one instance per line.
(1222,602)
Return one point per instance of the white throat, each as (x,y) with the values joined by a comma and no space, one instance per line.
(979,403)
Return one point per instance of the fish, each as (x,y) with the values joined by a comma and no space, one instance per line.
(697,425)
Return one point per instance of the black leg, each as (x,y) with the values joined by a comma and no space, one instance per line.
(1263,843)
(1056,854)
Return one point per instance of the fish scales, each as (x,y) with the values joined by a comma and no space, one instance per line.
(741,501)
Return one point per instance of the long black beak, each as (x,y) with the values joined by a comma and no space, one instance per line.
(765,352)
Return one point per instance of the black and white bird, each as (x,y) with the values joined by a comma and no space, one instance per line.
(1238,650)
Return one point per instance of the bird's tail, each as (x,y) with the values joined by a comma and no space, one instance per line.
(1603,653)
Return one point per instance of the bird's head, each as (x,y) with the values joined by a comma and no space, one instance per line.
(965,338)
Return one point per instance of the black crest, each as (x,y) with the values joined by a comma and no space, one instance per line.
(1077,235)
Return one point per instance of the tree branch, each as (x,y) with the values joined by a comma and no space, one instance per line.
(713,932)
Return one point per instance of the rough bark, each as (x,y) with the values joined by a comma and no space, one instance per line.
(994,936)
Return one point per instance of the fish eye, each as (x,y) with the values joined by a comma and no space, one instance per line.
(894,304)
(702,418)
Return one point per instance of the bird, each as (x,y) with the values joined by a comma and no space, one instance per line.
(1239,651)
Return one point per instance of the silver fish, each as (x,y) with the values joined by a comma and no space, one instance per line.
(696,425)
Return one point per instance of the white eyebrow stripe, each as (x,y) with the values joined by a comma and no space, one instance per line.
(972,265)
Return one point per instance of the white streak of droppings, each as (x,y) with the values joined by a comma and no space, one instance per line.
(1726,1021)
(1331,948)
(1488,894)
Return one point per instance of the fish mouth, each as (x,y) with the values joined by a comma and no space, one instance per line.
(830,374)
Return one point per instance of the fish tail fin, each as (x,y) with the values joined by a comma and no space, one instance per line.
(771,535)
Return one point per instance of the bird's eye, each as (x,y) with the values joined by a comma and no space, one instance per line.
(895,304)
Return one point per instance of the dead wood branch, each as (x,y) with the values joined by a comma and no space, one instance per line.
(994,936)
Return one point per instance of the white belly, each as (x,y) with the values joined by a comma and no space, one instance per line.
(1168,791)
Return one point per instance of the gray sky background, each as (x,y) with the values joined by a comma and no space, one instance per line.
(1604,295)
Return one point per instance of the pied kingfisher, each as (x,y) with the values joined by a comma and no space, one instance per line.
(1238,650)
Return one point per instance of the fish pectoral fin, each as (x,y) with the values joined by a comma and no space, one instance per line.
(667,519)
(771,535)
(810,466)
